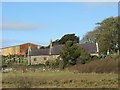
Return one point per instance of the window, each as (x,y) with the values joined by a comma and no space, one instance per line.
(45,58)
(35,59)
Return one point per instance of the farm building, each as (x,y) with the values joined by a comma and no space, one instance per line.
(18,49)
(38,55)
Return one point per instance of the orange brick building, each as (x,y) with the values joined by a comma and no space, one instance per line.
(18,49)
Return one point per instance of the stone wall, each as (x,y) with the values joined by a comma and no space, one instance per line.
(94,54)
(42,59)
(24,47)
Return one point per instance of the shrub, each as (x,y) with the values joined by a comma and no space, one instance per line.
(84,58)
(61,64)
(82,61)
(4,66)
(94,57)
(106,65)
(70,52)
(47,63)
(55,64)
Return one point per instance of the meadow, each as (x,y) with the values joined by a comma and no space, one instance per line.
(96,74)
(58,79)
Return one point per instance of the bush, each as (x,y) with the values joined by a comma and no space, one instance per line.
(94,57)
(52,64)
(4,66)
(55,64)
(84,58)
(70,52)
(106,65)
(47,63)
(61,64)
(82,61)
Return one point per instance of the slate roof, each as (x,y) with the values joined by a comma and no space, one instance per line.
(90,48)
(54,51)
(37,52)
(19,45)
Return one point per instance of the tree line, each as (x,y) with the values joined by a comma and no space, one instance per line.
(106,33)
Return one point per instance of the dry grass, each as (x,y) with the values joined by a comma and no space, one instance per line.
(96,74)
(59,79)
(107,65)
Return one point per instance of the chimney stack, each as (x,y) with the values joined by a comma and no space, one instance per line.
(29,49)
(97,47)
(50,47)
(38,47)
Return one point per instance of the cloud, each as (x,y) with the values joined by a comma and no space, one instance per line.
(20,26)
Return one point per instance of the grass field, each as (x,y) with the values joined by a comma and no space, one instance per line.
(53,79)
(77,76)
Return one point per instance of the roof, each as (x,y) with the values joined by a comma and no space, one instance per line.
(18,45)
(90,48)
(37,52)
(20,53)
(55,50)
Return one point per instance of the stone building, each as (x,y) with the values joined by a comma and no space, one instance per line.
(91,48)
(18,49)
(38,55)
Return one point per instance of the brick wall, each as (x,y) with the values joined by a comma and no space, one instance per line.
(16,49)
(24,47)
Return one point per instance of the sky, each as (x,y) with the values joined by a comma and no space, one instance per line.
(38,22)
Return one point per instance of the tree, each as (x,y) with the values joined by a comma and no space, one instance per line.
(106,34)
(70,53)
(65,38)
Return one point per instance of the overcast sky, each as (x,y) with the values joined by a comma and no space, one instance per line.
(39,22)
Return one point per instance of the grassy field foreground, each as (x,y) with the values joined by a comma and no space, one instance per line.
(53,79)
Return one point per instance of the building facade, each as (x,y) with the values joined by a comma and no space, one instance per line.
(14,50)
(40,56)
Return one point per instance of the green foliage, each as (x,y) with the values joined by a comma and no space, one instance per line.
(84,57)
(47,63)
(52,64)
(65,38)
(71,52)
(4,65)
(105,65)
(106,34)
(61,64)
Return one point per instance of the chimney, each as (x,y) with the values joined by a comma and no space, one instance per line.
(38,47)
(108,52)
(97,47)
(29,49)
(50,47)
